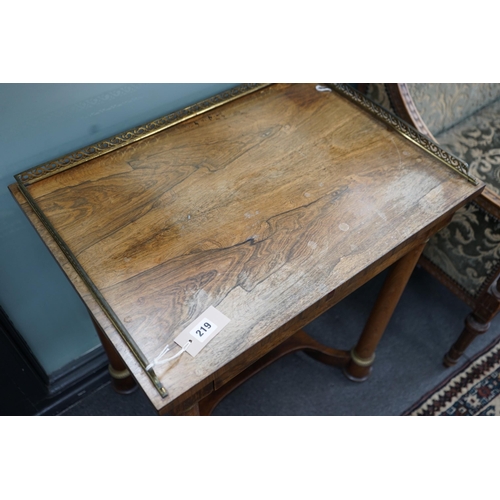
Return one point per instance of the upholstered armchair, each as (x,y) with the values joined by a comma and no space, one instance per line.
(464,256)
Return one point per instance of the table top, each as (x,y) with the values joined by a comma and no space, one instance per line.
(259,207)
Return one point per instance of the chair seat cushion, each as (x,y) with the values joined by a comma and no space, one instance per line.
(476,140)
(468,249)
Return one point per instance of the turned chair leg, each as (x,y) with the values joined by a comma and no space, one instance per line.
(476,323)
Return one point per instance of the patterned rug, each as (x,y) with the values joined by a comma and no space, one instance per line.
(473,390)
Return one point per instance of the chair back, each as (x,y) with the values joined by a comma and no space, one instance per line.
(443,105)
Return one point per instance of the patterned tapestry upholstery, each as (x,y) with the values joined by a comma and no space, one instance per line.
(476,140)
(468,250)
(376,92)
(443,105)
(465,119)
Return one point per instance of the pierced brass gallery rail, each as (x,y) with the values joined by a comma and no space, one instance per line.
(28,177)
(31,176)
(404,129)
(119,141)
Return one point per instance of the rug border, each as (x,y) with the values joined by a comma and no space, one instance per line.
(446,381)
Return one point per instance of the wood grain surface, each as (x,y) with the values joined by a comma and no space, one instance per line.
(260,208)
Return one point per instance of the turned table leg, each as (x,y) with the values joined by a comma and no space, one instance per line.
(363,354)
(121,380)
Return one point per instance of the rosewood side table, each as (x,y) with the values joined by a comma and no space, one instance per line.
(269,203)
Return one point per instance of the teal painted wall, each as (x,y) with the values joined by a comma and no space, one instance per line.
(40,122)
